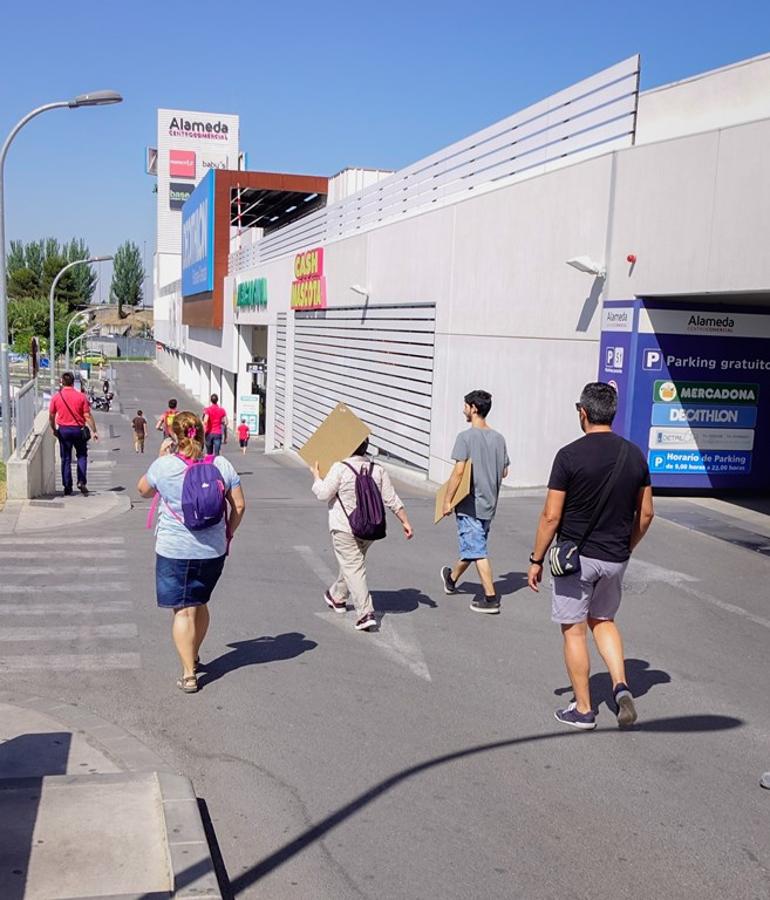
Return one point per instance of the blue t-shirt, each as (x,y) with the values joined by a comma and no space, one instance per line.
(172,539)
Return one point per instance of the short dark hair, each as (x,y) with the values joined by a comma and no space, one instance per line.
(172,403)
(600,401)
(214,398)
(362,448)
(68,379)
(139,412)
(482,400)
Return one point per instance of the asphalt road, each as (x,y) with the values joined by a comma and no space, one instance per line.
(422,761)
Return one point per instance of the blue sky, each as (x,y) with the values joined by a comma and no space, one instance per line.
(318,86)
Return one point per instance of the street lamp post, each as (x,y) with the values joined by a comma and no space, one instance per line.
(96,98)
(51,336)
(78,315)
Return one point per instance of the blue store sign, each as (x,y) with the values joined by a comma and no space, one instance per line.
(694,390)
(198,239)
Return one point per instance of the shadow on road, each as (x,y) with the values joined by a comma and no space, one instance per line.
(24,762)
(255,651)
(404,601)
(505,584)
(641,678)
(675,725)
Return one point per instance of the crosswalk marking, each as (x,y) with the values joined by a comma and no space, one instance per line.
(62,554)
(64,609)
(114,587)
(60,541)
(69,633)
(81,662)
(60,570)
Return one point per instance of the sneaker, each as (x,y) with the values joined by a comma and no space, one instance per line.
(486,605)
(339,606)
(366,623)
(67,492)
(450,586)
(624,701)
(82,488)
(571,716)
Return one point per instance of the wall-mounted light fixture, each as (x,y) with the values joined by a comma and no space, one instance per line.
(587,265)
(357,289)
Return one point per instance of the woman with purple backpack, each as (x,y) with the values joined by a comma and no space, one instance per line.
(357,491)
(201,505)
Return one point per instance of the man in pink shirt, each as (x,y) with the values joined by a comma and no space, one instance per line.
(215,426)
(69,413)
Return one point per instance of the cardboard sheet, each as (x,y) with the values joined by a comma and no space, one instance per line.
(460,494)
(335,438)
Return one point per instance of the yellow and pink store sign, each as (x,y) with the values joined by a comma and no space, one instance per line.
(308,290)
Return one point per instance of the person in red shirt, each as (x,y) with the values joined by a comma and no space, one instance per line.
(215,426)
(68,413)
(243,435)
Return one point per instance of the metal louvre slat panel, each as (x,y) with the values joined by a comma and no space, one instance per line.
(280,381)
(378,360)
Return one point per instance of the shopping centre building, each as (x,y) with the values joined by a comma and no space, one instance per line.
(601,232)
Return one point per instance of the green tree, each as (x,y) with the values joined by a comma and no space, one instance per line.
(28,317)
(32,267)
(83,277)
(127,277)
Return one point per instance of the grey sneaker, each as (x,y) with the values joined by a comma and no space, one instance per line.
(450,586)
(624,701)
(571,716)
(486,605)
(765,780)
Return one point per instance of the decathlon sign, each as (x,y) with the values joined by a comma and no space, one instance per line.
(198,239)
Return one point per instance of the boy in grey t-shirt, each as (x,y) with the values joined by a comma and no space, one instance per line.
(486,451)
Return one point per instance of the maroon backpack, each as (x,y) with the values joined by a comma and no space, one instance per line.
(367,521)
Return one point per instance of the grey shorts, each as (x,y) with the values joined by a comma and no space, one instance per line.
(595,593)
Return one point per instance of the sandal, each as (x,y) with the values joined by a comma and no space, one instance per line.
(197,665)
(188,684)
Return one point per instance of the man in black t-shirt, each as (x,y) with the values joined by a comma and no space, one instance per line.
(590,598)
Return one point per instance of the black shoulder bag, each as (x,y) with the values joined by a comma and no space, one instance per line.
(84,429)
(564,556)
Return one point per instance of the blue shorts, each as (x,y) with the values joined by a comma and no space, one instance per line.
(472,536)
(186,582)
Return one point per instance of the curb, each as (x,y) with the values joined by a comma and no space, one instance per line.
(188,851)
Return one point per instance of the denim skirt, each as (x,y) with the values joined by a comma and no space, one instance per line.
(186,582)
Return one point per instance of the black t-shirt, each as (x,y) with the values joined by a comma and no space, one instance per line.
(581,469)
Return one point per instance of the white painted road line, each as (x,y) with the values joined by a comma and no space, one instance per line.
(394,644)
(64,609)
(96,662)
(62,554)
(121,587)
(26,569)
(60,541)
(69,633)
(684,583)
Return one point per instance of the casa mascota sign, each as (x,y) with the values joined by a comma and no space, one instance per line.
(308,290)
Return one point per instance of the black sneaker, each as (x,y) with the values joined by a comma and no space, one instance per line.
(450,585)
(624,702)
(82,488)
(366,623)
(486,605)
(571,716)
(67,492)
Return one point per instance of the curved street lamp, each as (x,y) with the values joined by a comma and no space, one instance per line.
(96,98)
(51,338)
(83,314)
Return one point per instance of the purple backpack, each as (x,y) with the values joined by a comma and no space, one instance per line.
(367,521)
(203,493)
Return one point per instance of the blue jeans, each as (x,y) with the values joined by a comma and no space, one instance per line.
(71,437)
(213,443)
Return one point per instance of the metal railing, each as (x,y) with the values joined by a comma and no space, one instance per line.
(27,404)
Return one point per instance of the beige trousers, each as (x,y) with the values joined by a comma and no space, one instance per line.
(351,581)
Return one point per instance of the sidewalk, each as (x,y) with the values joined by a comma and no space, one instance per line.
(88,811)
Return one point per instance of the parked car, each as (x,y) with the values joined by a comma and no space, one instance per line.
(93,357)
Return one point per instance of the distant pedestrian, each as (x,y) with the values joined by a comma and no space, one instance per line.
(599,504)
(165,421)
(243,435)
(485,449)
(139,424)
(215,426)
(341,489)
(72,422)
(105,387)
(190,554)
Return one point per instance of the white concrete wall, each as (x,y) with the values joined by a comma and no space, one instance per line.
(717,99)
